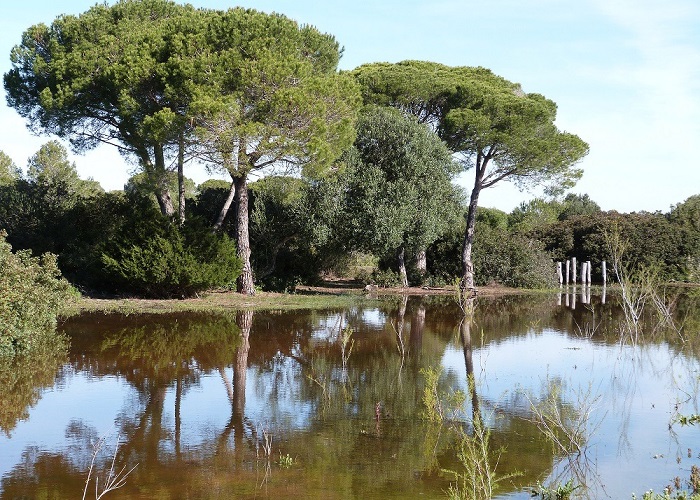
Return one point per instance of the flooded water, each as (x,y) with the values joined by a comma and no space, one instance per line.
(276,405)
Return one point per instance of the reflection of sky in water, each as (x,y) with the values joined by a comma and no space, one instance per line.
(271,401)
(633,393)
(93,401)
(637,390)
(328,328)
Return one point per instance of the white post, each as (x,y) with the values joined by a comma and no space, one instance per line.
(568,264)
(605,272)
(588,271)
(573,268)
(559,275)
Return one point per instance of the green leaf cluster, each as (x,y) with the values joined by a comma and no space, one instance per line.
(32,292)
(399,191)
(154,257)
(485,118)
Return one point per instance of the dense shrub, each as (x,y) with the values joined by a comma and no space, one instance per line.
(512,260)
(499,256)
(652,240)
(154,257)
(31,293)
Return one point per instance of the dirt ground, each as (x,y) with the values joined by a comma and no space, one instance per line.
(336,287)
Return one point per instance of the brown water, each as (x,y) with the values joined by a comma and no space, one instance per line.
(193,401)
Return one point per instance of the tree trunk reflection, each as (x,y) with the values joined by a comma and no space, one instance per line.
(466,337)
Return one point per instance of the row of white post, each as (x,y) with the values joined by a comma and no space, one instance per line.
(566,272)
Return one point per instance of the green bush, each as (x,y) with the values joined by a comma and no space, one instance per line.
(512,260)
(164,260)
(385,278)
(31,293)
(499,256)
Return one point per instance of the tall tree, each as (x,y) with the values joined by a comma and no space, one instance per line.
(9,171)
(271,100)
(111,75)
(399,197)
(687,213)
(578,204)
(495,128)
(50,170)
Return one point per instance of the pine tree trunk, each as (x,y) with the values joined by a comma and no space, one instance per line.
(244,284)
(165,202)
(421,262)
(466,284)
(402,267)
(162,191)
(181,180)
(227,205)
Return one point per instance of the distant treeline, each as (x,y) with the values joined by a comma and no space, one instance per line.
(302,230)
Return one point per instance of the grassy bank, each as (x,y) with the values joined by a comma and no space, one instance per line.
(212,302)
(330,296)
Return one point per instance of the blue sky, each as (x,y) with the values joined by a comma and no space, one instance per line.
(624,73)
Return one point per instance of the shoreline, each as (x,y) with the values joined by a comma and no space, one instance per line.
(335,294)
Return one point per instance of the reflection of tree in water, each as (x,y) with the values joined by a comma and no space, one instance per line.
(361,437)
(23,378)
(236,393)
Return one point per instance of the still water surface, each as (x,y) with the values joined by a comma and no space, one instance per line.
(272,405)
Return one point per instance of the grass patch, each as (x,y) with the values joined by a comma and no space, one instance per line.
(213,302)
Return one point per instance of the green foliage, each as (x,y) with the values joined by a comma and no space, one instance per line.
(652,241)
(496,128)
(158,78)
(154,257)
(288,227)
(500,256)
(687,213)
(140,185)
(399,192)
(560,492)
(32,292)
(577,204)
(534,213)
(9,172)
(43,212)
(512,260)
(384,278)
(492,217)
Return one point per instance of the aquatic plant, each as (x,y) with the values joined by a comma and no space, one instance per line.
(113,480)
(558,492)
(477,479)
